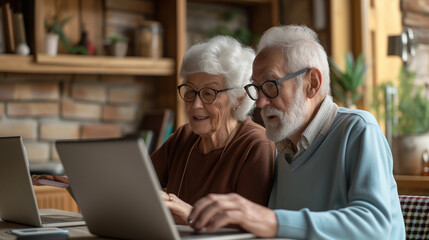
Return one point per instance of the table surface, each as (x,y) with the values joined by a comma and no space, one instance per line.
(80,232)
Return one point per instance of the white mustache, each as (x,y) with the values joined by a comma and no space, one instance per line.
(270,111)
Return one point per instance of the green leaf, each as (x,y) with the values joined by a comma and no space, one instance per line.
(56,25)
(413,107)
(351,78)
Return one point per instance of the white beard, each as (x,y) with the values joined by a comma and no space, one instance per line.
(289,121)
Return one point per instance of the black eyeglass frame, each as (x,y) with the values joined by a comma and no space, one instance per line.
(276,82)
(199,91)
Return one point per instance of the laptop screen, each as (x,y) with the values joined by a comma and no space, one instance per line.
(17,200)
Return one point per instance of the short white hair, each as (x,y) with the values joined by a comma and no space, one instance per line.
(224,55)
(301,48)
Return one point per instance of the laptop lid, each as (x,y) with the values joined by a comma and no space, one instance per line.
(115,186)
(17,199)
(118,192)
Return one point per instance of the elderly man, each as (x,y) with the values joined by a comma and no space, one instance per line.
(334,166)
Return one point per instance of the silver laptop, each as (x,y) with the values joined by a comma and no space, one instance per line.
(118,192)
(17,199)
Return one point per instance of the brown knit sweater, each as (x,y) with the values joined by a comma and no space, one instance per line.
(246,166)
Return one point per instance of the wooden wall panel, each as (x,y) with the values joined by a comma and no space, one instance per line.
(123,19)
(89,13)
(66,9)
(168,12)
(39,30)
(415,6)
(341,26)
(43,10)
(384,20)
(259,23)
(72,28)
(309,13)
(92,18)
(138,6)
(100,19)
(364,26)
(297,12)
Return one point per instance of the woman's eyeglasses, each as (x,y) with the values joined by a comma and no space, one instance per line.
(270,88)
(206,95)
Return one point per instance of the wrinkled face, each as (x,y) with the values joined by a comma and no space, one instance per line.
(208,119)
(284,115)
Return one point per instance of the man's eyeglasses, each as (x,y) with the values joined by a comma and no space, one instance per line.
(207,95)
(270,88)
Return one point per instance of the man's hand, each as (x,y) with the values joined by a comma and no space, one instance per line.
(178,208)
(218,210)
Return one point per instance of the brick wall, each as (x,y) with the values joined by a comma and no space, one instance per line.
(44,108)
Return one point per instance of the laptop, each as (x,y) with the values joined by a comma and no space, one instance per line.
(17,199)
(118,191)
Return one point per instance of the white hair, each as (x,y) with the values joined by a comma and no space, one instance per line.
(223,55)
(301,48)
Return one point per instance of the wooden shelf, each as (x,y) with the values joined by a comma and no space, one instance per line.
(75,64)
(236,1)
(414,185)
(170,13)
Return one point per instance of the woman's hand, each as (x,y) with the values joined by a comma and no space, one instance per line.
(35,179)
(178,208)
(62,179)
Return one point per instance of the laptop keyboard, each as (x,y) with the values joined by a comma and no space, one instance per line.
(59,218)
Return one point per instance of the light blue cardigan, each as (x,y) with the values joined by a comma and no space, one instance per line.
(341,187)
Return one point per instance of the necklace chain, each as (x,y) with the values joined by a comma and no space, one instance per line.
(231,136)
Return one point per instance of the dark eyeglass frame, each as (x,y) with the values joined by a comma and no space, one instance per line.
(199,93)
(276,82)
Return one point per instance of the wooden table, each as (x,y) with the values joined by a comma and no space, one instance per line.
(81,232)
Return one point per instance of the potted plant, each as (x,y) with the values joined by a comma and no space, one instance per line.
(117,45)
(411,133)
(406,112)
(346,85)
(54,29)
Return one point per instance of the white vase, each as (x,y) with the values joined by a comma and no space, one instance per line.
(52,44)
(23,49)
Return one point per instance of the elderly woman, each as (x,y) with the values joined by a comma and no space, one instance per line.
(220,150)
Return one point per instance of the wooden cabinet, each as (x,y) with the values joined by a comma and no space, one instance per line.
(412,185)
(170,13)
